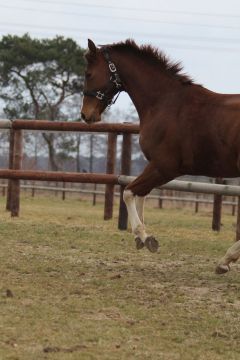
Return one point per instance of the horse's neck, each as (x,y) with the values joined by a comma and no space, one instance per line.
(145,84)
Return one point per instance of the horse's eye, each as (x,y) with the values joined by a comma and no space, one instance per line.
(88,75)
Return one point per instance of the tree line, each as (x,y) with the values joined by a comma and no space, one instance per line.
(42,79)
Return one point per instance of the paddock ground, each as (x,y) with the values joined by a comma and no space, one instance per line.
(73,287)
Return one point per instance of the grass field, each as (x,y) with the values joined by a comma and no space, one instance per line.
(73,287)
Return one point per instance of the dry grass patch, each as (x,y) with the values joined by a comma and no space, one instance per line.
(74,287)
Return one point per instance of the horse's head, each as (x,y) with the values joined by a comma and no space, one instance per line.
(101,84)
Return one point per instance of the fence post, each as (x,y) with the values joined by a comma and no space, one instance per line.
(17,164)
(196,204)
(3,188)
(238,220)
(234,206)
(33,189)
(63,192)
(94,201)
(217,208)
(125,170)
(10,166)
(56,191)
(160,200)
(110,169)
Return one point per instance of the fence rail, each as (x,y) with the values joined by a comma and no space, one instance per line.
(59,176)
(44,125)
(190,186)
(153,195)
(96,178)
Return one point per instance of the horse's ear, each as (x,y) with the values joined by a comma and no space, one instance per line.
(92,47)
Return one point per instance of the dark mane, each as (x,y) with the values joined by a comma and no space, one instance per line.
(153,56)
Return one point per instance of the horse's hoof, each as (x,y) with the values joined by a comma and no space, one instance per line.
(152,244)
(139,243)
(222,269)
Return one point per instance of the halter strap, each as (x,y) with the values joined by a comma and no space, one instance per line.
(107,94)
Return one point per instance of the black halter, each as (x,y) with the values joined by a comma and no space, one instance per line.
(114,86)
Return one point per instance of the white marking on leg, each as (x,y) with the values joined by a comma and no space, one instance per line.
(140,200)
(136,224)
(232,255)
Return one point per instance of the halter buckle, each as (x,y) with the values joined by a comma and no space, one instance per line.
(117,84)
(112,67)
(100,95)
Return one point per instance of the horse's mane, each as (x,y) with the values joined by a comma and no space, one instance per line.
(153,56)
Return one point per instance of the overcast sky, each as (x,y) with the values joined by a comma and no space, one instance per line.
(204,35)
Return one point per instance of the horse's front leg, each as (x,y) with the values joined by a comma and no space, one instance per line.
(134,199)
(232,255)
(140,201)
(136,222)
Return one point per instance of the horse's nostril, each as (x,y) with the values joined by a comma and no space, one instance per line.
(83,116)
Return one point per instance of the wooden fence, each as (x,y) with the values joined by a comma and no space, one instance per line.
(15,173)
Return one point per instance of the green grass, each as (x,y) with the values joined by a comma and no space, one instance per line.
(73,287)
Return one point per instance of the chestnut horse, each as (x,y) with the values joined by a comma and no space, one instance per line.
(184,128)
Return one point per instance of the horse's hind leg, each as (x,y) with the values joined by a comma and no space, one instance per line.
(134,199)
(232,255)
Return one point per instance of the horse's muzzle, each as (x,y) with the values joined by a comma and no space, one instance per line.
(83,117)
(91,119)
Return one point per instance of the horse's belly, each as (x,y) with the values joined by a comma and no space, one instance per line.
(216,165)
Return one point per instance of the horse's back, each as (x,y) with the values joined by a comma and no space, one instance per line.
(217,138)
(231,100)
(210,134)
